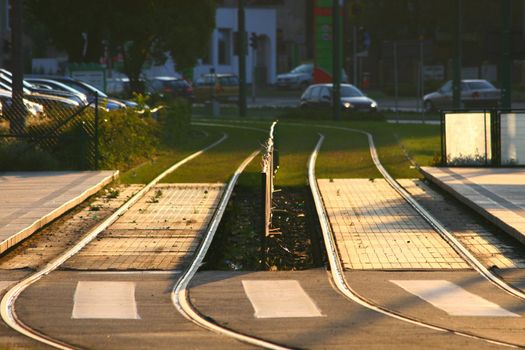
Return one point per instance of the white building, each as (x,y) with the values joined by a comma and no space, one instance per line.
(221,56)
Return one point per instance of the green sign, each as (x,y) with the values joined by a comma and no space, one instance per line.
(323,41)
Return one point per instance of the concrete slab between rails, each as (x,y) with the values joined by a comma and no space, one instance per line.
(30,200)
(498,194)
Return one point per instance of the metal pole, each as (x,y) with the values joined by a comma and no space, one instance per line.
(17,110)
(96,136)
(395,77)
(422,73)
(254,63)
(456,82)
(336,72)
(354,56)
(506,81)
(241,25)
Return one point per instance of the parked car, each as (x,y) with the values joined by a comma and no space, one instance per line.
(30,89)
(6,100)
(88,90)
(300,77)
(352,99)
(170,86)
(49,84)
(474,93)
(223,86)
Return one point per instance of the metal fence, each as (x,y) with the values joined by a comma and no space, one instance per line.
(270,164)
(50,132)
(483,138)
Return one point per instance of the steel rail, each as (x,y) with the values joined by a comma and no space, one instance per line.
(337,270)
(180,293)
(7,305)
(436,225)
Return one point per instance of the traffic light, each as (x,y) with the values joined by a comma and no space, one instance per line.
(363,40)
(253,40)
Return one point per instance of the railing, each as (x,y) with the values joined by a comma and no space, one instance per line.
(270,164)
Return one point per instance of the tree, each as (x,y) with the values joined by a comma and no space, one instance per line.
(136,29)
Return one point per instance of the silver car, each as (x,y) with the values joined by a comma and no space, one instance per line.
(474,93)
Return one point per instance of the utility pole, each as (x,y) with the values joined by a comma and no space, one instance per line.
(336,72)
(506,84)
(354,55)
(396,79)
(241,26)
(456,81)
(17,111)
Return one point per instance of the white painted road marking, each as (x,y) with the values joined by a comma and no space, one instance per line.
(453,299)
(113,300)
(279,299)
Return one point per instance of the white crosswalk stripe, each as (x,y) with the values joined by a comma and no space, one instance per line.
(279,299)
(453,299)
(108,300)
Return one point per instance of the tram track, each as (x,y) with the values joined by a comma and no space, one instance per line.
(180,295)
(336,267)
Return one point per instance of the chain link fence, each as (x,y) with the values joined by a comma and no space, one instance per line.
(48,132)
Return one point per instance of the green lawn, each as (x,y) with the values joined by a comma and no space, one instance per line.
(147,171)
(219,163)
(344,154)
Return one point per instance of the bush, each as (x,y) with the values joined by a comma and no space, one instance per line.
(325,114)
(21,156)
(174,121)
(125,137)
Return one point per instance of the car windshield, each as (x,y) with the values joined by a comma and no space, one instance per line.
(350,91)
(480,85)
(303,68)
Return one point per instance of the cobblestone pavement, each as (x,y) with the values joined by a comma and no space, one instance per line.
(53,239)
(376,229)
(492,246)
(160,232)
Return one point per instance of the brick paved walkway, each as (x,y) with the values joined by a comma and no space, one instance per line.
(29,200)
(160,232)
(496,193)
(493,247)
(376,229)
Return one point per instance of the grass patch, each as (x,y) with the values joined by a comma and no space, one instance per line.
(219,163)
(166,157)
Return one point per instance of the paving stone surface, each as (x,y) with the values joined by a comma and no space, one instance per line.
(496,193)
(489,244)
(375,228)
(30,200)
(160,232)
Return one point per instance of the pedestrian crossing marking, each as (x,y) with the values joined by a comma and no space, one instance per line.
(279,299)
(105,300)
(452,299)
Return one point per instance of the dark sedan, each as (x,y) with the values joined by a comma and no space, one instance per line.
(352,99)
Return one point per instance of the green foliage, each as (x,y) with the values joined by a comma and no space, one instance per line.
(126,137)
(137,30)
(174,120)
(21,156)
(326,114)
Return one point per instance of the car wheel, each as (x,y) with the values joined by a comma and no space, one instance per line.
(428,106)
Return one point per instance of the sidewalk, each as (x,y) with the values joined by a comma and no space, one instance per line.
(30,200)
(496,193)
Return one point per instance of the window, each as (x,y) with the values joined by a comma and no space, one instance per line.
(447,88)
(326,94)
(224,46)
